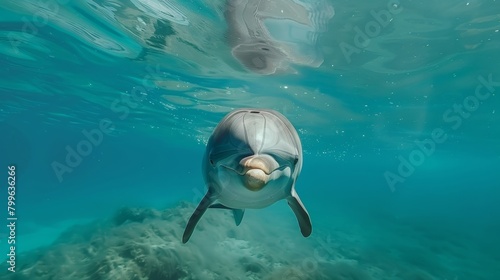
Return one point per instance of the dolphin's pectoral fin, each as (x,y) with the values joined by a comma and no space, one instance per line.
(301,214)
(196,216)
(238,215)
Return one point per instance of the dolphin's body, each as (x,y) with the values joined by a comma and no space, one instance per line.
(265,35)
(252,160)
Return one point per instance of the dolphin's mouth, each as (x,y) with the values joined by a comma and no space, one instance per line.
(242,171)
(256,171)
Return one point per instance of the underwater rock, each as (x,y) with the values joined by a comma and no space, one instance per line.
(132,215)
(144,244)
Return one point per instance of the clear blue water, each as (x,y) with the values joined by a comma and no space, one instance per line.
(400,133)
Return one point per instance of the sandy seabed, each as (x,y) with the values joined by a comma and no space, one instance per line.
(144,244)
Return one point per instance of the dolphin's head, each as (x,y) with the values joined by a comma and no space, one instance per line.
(253,150)
(252,160)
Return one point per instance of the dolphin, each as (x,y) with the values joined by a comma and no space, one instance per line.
(252,160)
(266,35)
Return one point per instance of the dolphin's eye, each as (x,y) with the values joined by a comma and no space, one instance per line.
(212,162)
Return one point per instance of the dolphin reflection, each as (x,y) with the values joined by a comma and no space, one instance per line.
(267,35)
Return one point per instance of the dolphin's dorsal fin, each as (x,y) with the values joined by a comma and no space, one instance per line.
(300,212)
(219,206)
(237,213)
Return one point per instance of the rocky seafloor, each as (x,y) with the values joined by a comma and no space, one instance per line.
(145,244)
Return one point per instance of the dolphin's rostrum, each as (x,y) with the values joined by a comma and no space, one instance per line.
(252,160)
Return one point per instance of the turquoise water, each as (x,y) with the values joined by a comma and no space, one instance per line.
(398,125)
